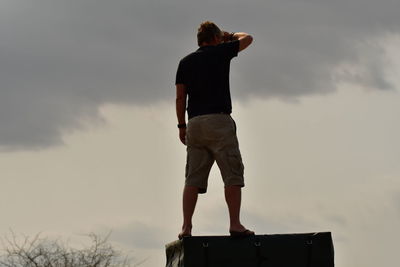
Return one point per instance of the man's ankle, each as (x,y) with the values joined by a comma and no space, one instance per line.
(236,226)
(187,226)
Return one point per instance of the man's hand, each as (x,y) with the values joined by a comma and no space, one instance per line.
(182,135)
(227,37)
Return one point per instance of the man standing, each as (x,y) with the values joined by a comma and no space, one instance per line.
(210,135)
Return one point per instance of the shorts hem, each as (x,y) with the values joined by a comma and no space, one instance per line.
(233,184)
(201,188)
(234,180)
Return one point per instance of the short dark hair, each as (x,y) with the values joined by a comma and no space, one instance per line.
(207,31)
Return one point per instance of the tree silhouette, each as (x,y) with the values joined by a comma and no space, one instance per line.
(42,252)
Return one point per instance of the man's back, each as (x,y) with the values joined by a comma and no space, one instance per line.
(205,72)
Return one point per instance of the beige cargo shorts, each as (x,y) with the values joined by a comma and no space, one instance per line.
(210,138)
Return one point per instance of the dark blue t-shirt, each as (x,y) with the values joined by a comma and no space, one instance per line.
(205,72)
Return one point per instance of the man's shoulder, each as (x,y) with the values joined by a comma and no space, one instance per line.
(190,60)
(190,56)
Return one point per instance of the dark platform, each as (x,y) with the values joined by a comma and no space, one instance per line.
(278,250)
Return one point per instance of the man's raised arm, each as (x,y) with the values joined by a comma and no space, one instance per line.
(245,39)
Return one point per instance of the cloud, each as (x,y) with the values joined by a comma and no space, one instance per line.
(61,60)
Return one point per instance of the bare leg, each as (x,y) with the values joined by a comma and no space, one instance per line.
(233,197)
(190,194)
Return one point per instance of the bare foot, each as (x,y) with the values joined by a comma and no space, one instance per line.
(244,233)
(186,231)
(240,230)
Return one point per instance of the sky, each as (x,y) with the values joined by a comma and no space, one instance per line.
(88,138)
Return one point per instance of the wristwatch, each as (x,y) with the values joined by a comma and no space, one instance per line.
(182,125)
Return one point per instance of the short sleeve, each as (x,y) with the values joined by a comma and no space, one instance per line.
(180,74)
(231,49)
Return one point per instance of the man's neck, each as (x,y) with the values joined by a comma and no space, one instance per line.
(209,44)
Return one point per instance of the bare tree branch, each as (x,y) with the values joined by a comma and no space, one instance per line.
(41,252)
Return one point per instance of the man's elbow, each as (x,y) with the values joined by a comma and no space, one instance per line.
(251,38)
(245,42)
(181,99)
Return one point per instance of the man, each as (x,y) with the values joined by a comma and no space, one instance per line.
(203,78)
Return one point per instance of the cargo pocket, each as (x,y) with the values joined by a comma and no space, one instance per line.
(235,162)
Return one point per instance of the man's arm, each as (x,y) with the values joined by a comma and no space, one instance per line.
(245,39)
(181,95)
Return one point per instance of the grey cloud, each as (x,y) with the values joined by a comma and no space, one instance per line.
(61,60)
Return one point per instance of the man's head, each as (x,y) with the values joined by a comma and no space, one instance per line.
(209,34)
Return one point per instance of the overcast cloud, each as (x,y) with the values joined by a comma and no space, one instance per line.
(61,60)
